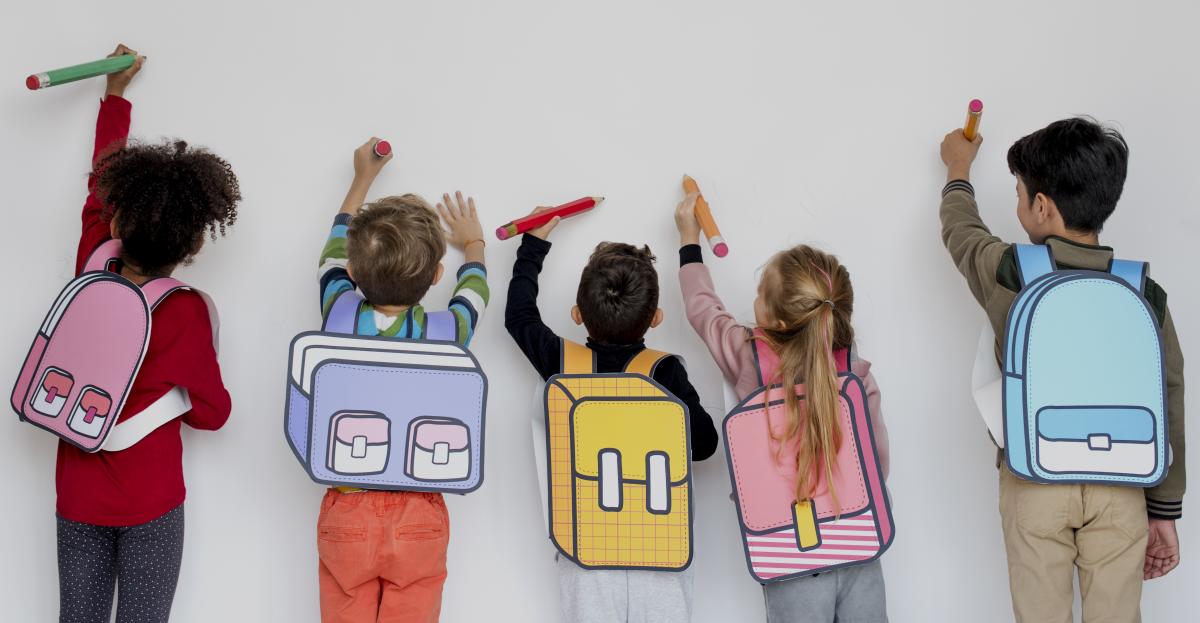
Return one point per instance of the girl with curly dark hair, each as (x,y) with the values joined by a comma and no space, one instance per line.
(120,514)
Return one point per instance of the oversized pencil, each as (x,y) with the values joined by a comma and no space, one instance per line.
(534,221)
(974,114)
(55,77)
(382,148)
(708,225)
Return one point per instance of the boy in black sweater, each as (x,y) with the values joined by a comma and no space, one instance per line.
(617,302)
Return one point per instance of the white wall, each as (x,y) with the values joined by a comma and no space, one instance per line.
(804,122)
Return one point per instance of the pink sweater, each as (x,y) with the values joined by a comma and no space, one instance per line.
(729,343)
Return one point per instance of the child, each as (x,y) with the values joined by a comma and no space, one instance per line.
(383,553)
(1069,177)
(617,302)
(803,310)
(120,514)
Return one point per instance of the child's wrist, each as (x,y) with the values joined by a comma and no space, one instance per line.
(480,242)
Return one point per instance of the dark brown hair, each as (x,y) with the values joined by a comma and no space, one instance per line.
(618,293)
(394,246)
(163,197)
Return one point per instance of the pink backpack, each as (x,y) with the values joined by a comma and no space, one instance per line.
(784,539)
(87,353)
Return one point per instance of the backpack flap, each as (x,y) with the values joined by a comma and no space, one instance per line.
(620,442)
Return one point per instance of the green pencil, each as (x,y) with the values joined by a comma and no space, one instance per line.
(55,77)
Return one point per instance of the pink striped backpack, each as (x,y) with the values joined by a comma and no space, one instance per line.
(87,353)
(784,539)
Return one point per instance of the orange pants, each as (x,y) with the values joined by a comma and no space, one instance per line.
(383,556)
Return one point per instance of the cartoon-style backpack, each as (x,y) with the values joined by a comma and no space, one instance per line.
(87,353)
(1084,397)
(783,538)
(620,489)
(386,413)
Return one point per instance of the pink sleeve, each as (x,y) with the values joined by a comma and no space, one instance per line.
(724,337)
(862,369)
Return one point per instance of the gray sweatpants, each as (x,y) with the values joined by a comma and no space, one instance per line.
(141,561)
(617,596)
(848,595)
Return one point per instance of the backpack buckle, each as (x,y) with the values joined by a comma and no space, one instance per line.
(804,517)
(1099,441)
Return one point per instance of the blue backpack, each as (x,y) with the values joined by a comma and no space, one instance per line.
(1084,389)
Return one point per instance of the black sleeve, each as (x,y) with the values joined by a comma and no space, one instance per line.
(542,347)
(690,254)
(671,373)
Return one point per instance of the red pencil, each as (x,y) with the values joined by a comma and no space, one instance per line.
(534,221)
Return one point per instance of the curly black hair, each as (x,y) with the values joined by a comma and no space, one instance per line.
(163,197)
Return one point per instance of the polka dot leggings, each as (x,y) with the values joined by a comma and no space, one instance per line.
(142,560)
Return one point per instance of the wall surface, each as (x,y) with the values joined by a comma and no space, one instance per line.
(804,122)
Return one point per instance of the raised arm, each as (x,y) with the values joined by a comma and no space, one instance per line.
(975,251)
(522,319)
(724,336)
(331,272)
(112,130)
(471,294)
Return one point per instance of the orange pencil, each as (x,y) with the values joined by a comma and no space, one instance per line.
(974,114)
(708,225)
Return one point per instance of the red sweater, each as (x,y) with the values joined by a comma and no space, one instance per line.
(143,482)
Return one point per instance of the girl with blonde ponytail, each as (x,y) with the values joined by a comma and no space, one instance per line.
(802,317)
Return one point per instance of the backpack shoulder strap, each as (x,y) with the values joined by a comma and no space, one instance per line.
(343,315)
(442,325)
(766,362)
(645,362)
(577,358)
(1133,273)
(1033,260)
(103,257)
(158,289)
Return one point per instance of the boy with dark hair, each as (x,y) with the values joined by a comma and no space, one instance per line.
(383,553)
(1069,178)
(617,302)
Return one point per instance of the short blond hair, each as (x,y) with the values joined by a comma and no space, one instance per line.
(394,246)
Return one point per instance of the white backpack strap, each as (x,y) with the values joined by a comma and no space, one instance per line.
(169,406)
(103,256)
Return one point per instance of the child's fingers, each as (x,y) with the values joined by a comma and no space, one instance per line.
(471,205)
(442,212)
(461,205)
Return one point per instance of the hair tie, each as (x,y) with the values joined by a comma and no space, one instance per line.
(829,303)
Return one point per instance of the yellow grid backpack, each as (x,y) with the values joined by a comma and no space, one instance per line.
(619,465)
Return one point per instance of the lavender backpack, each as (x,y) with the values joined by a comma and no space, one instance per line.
(87,353)
(386,413)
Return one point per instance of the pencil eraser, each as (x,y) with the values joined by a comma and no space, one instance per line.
(383,148)
(502,233)
(976,106)
(33,83)
(720,249)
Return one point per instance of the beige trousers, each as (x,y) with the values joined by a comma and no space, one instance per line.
(1052,530)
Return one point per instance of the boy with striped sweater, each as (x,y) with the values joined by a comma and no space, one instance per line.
(383,553)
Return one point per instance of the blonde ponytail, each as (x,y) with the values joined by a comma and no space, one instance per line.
(808,296)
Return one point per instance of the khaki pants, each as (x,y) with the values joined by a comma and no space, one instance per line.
(1052,530)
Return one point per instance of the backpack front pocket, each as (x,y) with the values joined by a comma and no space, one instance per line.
(1100,440)
(439,450)
(91,413)
(359,442)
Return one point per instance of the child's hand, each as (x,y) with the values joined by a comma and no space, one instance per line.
(543,232)
(366,164)
(462,221)
(1162,549)
(119,81)
(958,153)
(685,220)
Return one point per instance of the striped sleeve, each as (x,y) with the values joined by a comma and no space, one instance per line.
(334,278)
(470,299)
